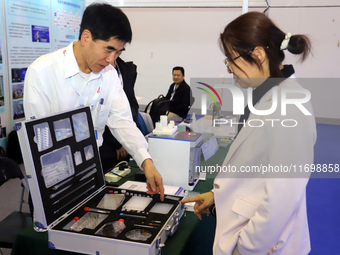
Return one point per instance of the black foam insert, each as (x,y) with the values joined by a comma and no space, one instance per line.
(57,206)
(130,222)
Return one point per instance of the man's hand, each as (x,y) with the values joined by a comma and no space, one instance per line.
(121,153)
(202,204)
(155,184)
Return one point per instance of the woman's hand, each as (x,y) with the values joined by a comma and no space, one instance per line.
(202,204)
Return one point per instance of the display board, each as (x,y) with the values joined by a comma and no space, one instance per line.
(182,3)
(33,28)
(3,82)
(66,21)
(28,26)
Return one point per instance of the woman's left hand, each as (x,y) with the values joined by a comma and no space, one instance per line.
(203,202)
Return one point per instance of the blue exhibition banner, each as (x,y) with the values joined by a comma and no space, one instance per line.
(28,26)
(3,83)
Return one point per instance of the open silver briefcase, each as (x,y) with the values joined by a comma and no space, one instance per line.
(71,199)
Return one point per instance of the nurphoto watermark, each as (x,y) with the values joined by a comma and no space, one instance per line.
(281,99)
(273,171)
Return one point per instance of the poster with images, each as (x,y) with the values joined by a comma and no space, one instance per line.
(0,52)
(18,109)
(40,34)
(18,91)
(66,21)
(28,26)
(3,82)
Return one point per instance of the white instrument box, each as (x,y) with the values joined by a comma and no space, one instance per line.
(176,158)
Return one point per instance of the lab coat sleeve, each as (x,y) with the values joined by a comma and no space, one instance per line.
(36,101)
(124,129)
(285,146)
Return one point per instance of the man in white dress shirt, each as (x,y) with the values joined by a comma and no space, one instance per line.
(81,74)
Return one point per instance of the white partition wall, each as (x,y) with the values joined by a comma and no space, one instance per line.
(188,37)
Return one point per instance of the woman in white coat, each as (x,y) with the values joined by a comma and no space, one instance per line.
(262,213)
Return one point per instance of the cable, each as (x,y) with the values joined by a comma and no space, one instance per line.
(119,165)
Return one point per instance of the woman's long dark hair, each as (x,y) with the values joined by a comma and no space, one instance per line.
(254,29)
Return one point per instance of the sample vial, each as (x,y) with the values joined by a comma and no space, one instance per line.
(118,227)
(69,225)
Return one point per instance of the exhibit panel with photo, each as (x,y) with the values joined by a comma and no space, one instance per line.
(66,21)
(28,37)
(4,112)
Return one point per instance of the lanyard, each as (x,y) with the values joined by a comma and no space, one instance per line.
(80,98)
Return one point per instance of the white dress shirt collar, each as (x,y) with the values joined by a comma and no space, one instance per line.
(71,64)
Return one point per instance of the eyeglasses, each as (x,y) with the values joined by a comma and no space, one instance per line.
(226,60)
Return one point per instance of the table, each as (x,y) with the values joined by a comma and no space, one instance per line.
(192,236)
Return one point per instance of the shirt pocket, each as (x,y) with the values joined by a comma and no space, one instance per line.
(102,116)
(245,207)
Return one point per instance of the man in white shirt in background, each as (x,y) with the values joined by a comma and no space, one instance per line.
(80,74)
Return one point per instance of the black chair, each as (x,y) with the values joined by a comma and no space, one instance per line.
(17,220)
(192,101)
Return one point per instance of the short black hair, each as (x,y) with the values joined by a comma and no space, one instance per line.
(104,22)
(178,68)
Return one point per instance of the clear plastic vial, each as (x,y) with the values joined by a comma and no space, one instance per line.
(70,224)
(118,227)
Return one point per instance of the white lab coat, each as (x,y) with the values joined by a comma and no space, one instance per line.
(266,215)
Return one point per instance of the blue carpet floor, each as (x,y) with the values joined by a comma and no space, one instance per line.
(323,195)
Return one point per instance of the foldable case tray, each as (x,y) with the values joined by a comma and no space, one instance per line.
(66,178)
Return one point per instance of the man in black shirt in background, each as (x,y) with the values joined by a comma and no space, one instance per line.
(111,151)
(180,95)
